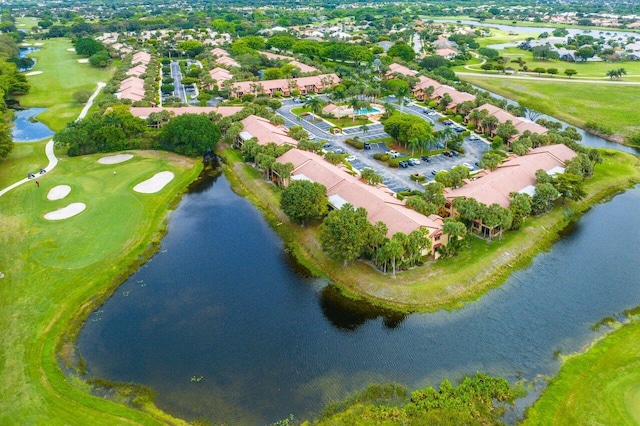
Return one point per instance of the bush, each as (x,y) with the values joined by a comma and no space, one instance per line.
(442,119)
(417,177)
(471,125)
(466,133)
(355,143)
(394,162)
(247,97)
(433,104)
(457,118)
(381,157)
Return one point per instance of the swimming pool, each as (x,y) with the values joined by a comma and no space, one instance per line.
(367,111)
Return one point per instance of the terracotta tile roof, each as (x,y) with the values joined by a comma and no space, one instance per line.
(270,55)
(379,203)
(262,129)
(426,82)
(513,175)
(520,124)
(142,57)
(225,111)
(138,70)
(220,75)
(282,84)
(219,52)
(227,61)
(131,88)
(393,68)
(303,67)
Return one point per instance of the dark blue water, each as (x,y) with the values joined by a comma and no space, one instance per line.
(223,302)
(24,52)
(25,130)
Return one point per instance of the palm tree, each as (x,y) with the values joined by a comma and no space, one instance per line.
(356,104)
(401,93)
(447,134)
(414,143)
(621,72)
(429,141)
(364,128)
(612,73)
(315,104)
(489,123)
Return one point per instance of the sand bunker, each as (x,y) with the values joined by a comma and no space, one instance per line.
(38,44)
(34,73)
(83,61)
(71,49)
(155,184)
(59,192)
(115,159)
(66,212)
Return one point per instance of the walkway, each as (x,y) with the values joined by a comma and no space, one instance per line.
(48,149)
(549,79)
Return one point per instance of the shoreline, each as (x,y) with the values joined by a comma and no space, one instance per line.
(435,285)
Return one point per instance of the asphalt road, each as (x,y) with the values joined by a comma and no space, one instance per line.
(176,74)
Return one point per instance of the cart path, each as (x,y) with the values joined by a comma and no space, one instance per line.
(48,149)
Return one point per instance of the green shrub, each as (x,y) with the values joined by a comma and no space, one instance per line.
(442,119)
(417,177)
(394,162)
(457,118)
(381,157)
(355,143)
(471,125)
(433,104)
(466,133)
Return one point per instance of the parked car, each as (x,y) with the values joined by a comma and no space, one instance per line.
(459,129)
(474,138)
(367,145)
(311,136)
(339,151)
(440,145)
(455,153)
(468,166)
(351,158)
(413,161)
(433,113)
(447,154)
(327,146)
(393,154)
(434,172)
(403,164)
(426,158)
(426,111)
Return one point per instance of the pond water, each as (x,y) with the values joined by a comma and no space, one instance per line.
(24,52)
(26,130)
(225,327)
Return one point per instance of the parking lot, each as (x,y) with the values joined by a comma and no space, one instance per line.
(396,179)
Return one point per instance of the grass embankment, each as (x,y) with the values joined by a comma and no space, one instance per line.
(612,107)
(451,282)
(601,386)
(62,75)
(57,272)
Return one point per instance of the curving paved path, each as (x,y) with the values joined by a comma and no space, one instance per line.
(48,149)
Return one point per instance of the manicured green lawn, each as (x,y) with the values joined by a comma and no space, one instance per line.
(62,75)
(26,23)
(25,158)
(614,107)
(601,386)
(56,272)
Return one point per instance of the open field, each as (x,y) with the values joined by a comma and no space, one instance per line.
(614,107)
(61,76)
(26,157)
(447,283)
(57,271)
(601,386)
(26,23)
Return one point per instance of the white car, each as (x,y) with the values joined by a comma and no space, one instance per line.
(311,136)
(468,166)
(474,138)
(351,158)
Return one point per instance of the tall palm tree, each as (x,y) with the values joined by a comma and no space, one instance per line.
(401,93)
(489,123)
(356,104)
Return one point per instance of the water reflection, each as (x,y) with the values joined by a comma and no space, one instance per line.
(348,314)
(26,128)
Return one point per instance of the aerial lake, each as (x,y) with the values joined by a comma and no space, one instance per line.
(27,129)
(226,327)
